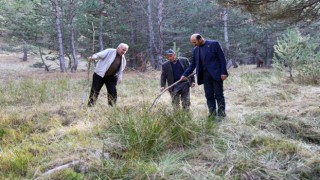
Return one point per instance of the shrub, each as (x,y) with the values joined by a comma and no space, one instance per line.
(297,54)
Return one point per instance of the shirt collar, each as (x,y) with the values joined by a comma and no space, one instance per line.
(174,62)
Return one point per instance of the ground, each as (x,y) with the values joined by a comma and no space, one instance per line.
(266,134)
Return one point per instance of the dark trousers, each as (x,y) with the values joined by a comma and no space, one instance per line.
(97,83)
(213,90)
(181,91)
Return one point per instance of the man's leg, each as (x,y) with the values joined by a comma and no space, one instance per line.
(219,96)
(111,83)
(209,93)
(97,83)
(175,99)
(185,97)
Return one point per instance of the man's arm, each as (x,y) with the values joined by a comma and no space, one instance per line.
(187,64)
(163,78)
(191,67)
(223,62)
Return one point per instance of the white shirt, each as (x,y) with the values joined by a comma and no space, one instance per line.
(106,57)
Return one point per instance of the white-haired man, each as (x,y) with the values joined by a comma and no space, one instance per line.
(108,71)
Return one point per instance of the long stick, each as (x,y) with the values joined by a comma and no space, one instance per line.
(159,95)
(84,96)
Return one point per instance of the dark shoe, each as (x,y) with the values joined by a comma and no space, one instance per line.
(90,104)
(222,114)
(216,118)
(220,118)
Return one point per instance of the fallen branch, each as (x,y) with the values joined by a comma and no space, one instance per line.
(59,168)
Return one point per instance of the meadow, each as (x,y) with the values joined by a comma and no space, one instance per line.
(272,129)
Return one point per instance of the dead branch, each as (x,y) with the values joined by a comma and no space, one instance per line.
(46,67)
(59,168)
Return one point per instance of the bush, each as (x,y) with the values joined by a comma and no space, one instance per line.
(297,54)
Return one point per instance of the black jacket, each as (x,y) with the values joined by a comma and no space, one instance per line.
(167,74)
(214,60)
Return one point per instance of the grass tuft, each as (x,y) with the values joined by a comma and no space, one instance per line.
(144,134)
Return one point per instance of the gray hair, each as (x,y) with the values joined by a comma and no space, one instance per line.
(123,45)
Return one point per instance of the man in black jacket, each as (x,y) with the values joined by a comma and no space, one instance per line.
(172,70)
(210,64)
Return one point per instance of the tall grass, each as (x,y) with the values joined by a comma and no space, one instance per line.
(144,134)
(270,132)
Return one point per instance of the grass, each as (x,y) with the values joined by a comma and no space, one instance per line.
(271,130)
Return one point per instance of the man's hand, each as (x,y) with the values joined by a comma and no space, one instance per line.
(223,77)
(183,78)
(161,89)
(193,84)
(90,59)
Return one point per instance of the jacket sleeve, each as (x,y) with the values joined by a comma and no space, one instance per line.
(163,78)
(120,72)
(222,60)
(192,65)
(101,55)
(191,79)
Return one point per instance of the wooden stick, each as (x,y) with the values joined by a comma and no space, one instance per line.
(163,91)
(84,96)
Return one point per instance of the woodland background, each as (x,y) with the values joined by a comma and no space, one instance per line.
(246,29)
(272,128)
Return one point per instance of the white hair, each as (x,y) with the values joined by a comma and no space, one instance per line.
(123,45)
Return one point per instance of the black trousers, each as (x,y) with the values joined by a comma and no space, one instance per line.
(181,91)
(213,90)
(97,83)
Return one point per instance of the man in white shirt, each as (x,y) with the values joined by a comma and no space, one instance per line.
(108,71)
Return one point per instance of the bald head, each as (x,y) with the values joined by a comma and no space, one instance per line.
(197,39)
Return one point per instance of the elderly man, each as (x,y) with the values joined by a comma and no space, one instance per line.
(108,71)
(172,70)
(210,63)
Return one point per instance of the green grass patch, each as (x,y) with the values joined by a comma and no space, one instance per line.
(144,134)
(15,162)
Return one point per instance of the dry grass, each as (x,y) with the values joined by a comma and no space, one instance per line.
(271,131)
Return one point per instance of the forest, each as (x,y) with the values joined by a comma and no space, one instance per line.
(272,128)
(247,30)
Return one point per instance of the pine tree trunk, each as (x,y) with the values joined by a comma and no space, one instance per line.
(101,29)
(230,60)
(73,48)
(57,10)
(225,31)
(268,57)
(151,36)
(160,19)
(25,51)
(133,61)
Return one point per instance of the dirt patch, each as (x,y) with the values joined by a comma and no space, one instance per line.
(13,68)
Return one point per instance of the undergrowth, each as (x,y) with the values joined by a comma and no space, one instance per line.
(268,132)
